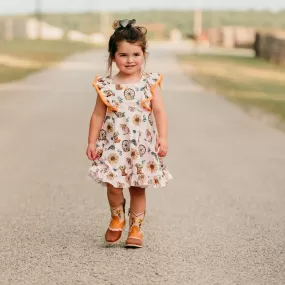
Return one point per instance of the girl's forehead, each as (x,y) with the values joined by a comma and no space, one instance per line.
(128,47)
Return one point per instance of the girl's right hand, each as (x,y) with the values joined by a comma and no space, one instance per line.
(91,151)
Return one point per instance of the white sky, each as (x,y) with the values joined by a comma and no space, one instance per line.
(28,6)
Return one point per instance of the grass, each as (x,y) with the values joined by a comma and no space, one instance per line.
(250,82)
(23,57)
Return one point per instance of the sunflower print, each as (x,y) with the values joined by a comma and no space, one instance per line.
(113,158)
(134,154)
(137,120)
(118,213)
(152,166)
(110,176)
(126,153)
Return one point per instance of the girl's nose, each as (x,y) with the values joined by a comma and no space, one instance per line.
(130,59)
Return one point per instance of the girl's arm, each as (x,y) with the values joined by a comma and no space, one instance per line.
(161,122)
(96,123)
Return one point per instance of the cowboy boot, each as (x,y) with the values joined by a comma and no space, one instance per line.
(135,237)
(117,224)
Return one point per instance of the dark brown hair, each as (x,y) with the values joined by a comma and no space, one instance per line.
(130,34)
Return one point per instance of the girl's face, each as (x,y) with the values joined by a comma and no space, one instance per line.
(129,58)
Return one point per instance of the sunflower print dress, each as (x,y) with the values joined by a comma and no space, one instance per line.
(126,153)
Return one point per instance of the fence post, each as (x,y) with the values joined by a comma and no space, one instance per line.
(256,44)
(8,30)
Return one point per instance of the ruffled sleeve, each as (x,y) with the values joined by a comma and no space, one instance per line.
(107,95)
(153,79)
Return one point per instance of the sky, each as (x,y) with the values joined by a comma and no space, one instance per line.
(28,6)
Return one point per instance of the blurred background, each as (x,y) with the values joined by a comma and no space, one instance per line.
(246,36)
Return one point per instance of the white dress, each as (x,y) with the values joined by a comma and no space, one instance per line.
(127,139)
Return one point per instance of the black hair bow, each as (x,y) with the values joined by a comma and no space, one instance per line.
(123,23)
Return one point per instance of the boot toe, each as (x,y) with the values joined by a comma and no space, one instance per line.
(112,236)
(133,242)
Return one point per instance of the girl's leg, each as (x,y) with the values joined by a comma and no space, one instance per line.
(138,199)
(115,196)
(137,213)
(117,206)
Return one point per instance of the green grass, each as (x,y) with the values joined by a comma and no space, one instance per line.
(8,74)
(42,50)
(250,82)
(44,53)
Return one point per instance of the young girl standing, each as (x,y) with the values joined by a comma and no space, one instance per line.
(125,144)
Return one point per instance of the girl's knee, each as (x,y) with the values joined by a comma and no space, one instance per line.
(137,191)
(113,190)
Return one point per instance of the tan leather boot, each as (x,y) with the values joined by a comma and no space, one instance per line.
(135,237)
(117,224)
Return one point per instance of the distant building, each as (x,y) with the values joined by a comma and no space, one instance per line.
(33,29)
(40,29)
(28,29)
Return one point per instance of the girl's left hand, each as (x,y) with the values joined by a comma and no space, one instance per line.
(91,151)
(162,145)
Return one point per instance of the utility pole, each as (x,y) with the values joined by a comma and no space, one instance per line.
(105,22)
(197,22)
(39,18)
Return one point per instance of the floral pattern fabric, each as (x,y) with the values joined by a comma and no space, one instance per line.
(127,139)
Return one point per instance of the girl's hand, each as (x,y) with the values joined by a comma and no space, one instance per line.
(162,145)
(91,151)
